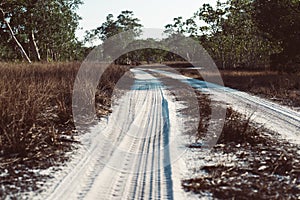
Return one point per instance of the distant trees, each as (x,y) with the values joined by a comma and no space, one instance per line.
(111,27)
(39,30)
(244,45)
(124,22)
(229,33)
(280,21)
(237,34)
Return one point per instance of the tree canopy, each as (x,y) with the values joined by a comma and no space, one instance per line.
(236,33)
(45,29)
(280,21)
(229,33)
(124,22)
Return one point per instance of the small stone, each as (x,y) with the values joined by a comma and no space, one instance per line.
(263,167)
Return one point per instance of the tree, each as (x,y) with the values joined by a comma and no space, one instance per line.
(149,50)
(209,33)
(246,45)
(182,27)
(280,20)
(229,33)
(12,34)
(125,22)
(46,29)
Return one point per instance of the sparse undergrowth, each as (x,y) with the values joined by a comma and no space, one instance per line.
(262,168)
(36,112)
(277,86)
(281,87)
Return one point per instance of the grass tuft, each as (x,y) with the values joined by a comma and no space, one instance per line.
(36,116)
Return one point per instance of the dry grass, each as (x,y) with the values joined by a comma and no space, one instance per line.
(282,87)
(35,104)
(36,122)
(263,167)
(237,127)
(258,164)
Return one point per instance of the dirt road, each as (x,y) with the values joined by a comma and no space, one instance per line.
(280,119)
(135,157)
(131,157)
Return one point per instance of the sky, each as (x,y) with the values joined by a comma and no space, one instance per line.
(152,13)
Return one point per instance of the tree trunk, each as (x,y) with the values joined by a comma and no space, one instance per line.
(14,37)
(36,49)
(47,55)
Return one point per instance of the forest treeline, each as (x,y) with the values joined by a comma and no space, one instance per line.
(236,33)
(39,30)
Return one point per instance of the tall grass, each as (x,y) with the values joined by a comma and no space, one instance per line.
(36,105)
(259,165)
(278,86)
(237,128)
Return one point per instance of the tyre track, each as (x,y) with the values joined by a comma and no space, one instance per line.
(277,118)
(130,158)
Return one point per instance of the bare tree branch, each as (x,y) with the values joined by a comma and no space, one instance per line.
(14,37)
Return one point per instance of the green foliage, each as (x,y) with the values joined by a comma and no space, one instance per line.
(45,29)
(182,27)
(150,54)
(229,33)
(124,22)
(243,45)
(280,20)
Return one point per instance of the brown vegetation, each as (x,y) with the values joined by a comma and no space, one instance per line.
(35,106)
(36,115)
(263,166)
(278,86)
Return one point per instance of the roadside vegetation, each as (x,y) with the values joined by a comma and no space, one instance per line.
(36,122)
(280,87)
(258,165)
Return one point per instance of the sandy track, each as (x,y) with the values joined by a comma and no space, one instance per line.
(130,158)
(277,118)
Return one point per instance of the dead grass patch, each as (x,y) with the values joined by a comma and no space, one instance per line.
(281,87)
(36,114)
(263,168)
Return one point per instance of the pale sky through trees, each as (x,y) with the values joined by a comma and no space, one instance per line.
(152,13)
